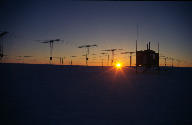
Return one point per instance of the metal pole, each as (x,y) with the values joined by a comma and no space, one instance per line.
(136,56)
(130,60)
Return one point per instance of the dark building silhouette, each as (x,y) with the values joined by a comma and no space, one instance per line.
(147,58)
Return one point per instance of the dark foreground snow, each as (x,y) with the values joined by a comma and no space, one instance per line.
(60,95)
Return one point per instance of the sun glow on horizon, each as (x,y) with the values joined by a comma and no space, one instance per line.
(118,65)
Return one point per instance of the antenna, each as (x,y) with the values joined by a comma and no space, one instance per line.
(61,60)
(137,36)
(158,56)
(1,45)
(137,31)
(87,47)
(113,53)
(130,56)
(23,58)
(50,42)
(172,59)
(165,58)
(172,62)
(136,45)
(149,46)
(72,60)
(102,59)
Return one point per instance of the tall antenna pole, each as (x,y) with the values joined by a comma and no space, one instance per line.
(137,36)
(108,59)
(130,59)
(86,59)
(158,58)
(172,62)
(50,42)
(87,51)
(2,49)
(1,45)
(136,45)
(112,58)
(102,62)
(165,61)
(87,56)
(51,51)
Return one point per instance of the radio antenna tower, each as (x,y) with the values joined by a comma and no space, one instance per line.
(87,47)
(50,42)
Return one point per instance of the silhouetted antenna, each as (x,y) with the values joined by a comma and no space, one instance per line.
(102,58)
(158,56)
(72,60)
(136,45)
(165,58)
(107,56)
(50,42)
(1,44)
(108,59)
(130,56)
(3,33)
(61,60)
(27,56)
(149,45)
(112,56)
(58,58)
(87,47)
(172,59)
(113,53)
(166,61)
(103,53)
(23,57)
(137,36)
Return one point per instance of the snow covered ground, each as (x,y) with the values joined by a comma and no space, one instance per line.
(64,95)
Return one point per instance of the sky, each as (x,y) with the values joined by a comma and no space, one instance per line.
(109,24)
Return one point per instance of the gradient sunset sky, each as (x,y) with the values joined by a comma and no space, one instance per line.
(109,24)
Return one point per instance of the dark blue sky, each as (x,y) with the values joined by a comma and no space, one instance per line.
(106,23)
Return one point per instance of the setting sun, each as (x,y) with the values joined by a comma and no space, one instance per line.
(118,65)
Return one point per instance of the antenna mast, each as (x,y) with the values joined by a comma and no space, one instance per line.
(137,36)
(136,45)
(1,45)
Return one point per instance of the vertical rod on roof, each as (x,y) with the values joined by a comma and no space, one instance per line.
(158,57)
(137,36)
(136,45)
(149,46)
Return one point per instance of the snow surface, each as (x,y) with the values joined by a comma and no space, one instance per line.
(65,95)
